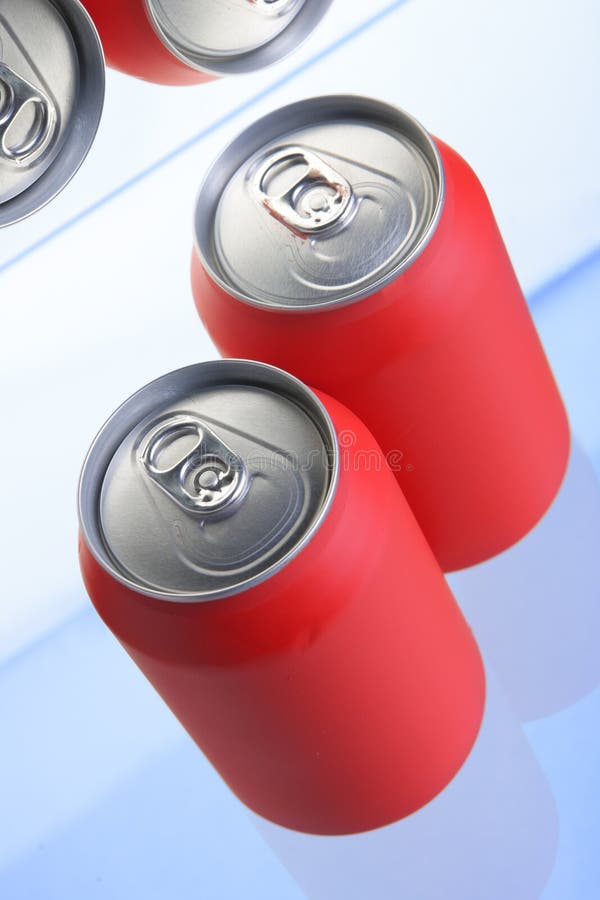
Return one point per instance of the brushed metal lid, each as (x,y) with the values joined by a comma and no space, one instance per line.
(319,203)
(51,98)
(234,36)
(208,480)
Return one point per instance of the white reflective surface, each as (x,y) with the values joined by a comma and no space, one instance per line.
(101,793)
(535,609)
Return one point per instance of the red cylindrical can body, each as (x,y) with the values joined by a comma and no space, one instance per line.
(170,42)
(342,693)
(445,367)
(132,46)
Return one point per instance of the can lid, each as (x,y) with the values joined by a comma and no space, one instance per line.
(319,203)
(233,36)
(51,98)
(208,480)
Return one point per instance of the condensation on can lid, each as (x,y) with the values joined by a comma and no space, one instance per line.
(208,480)
(225,37)
(319,203)
(51,98)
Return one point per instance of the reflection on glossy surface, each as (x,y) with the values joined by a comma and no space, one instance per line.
(103,796)
(535,609)
(491,834)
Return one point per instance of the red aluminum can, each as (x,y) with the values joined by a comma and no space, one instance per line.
(170,42)
(51,99)
(245,541)
(337,239)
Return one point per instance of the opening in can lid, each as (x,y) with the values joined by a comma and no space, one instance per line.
(319,203)
(51,97)
(233,36)
(208,480)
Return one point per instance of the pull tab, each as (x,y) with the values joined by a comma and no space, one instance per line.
(209,478)
(318,197)
(273,7)
(18,98)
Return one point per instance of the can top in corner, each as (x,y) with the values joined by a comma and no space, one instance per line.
(51,98)
(224,37)
(319,203)
(208,481)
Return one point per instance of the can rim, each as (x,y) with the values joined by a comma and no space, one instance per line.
(281,46)
(265,129)
(64,168)
(118,425)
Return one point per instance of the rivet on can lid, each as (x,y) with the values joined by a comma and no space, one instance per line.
(319,203)
(273,7)
(208,478)
(51,97)
(208,481)
(317,198)
(233,36)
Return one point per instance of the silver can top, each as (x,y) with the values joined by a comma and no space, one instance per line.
(319,203)
(225,37)
(208,480)
(51,98)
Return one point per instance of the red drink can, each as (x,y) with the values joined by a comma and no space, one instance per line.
(266,574)
(51,99)
(170,42)
(337,239)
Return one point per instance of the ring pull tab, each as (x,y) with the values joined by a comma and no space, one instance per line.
(205,480)
(317,198)
(273,7)
(18,100)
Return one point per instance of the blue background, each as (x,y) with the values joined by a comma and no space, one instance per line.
(101,793)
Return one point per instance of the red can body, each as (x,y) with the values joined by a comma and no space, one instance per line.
(132,46)
(345,691)
(444,365)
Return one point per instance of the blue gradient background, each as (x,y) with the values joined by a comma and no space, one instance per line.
(101,793)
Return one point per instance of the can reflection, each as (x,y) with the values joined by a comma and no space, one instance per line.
(535,609)
(491,834)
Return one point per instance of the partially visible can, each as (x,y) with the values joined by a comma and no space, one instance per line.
(337,239)
(174,42)
(51,98)
(268,577)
